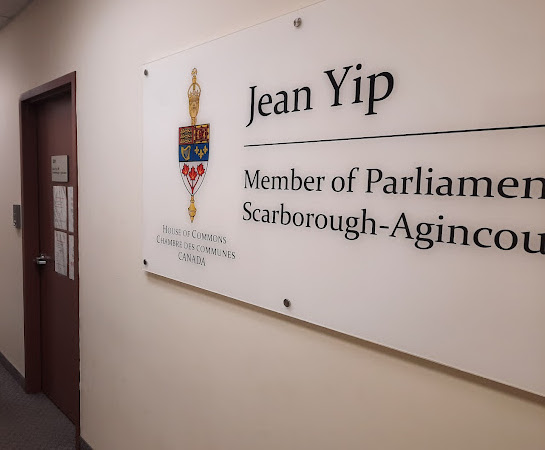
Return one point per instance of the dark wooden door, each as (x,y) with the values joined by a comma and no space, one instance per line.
(59,304)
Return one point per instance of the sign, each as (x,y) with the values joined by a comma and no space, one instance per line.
(378,176)
(59,169)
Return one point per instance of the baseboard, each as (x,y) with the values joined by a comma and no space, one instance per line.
(12,370)
(84,445)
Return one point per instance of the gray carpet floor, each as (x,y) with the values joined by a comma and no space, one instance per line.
(31,422)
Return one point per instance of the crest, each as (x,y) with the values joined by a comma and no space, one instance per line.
(193,147)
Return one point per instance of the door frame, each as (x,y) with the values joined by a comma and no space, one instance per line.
(28,104)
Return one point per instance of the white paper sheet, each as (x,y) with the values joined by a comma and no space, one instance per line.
(70,209)
(71,273)
(59,207)
(61,252)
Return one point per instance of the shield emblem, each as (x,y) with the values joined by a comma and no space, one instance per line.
(193,152)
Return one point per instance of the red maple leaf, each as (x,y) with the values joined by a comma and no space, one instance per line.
(200,169)
(185,169)
(192,174)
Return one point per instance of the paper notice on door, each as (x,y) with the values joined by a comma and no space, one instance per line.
(59,207)
(70,209)
(71,274)
(61,252)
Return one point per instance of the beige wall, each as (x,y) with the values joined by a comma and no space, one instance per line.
(166,366)
(11,277)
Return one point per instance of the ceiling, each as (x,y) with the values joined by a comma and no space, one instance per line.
(10,8)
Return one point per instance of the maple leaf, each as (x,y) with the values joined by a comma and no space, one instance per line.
(200,169)
(192,174)
(185,169)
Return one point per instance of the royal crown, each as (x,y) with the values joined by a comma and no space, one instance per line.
(194,93)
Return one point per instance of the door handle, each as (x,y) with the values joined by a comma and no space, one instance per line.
(42,259)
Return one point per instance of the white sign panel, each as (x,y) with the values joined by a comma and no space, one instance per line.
(59,169)
(379,176)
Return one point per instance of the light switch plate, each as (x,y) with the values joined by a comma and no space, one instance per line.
(17,216)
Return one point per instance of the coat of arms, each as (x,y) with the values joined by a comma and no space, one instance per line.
(194,147)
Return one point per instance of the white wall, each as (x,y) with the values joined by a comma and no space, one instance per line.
(166,366)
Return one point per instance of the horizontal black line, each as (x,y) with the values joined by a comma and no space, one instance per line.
(384,136)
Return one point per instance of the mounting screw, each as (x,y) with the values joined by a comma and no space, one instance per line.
(297,22)
(146,72)
(287,303)
(145,262)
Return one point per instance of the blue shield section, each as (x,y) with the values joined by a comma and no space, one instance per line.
(194,152)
